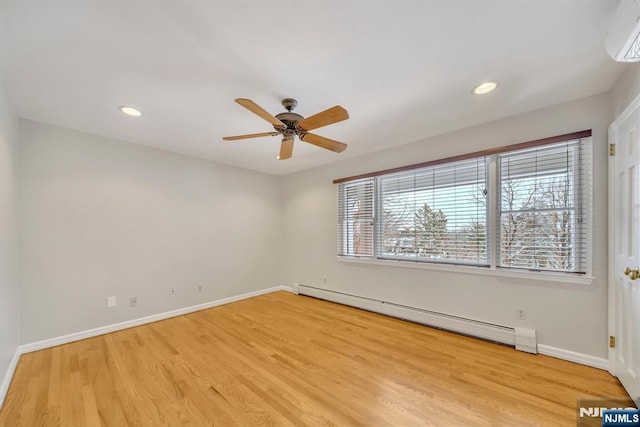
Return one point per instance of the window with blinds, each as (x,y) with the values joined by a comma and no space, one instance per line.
(525,206)
(542,216)
(435,214)
(355,218)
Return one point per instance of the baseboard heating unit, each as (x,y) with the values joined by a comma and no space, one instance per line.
(521,338)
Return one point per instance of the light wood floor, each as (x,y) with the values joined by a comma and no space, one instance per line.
(282,359)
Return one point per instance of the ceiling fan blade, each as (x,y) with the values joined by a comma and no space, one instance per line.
(323,142)
(332,115)
(286,148)
(251,135)
(258,110)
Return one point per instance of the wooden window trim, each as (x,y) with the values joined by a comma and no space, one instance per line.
(489,152)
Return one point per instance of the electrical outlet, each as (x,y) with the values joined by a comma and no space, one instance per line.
(111,302)
(133,302)
(172,290)
(520,313)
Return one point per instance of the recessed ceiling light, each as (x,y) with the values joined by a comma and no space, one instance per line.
(484,87)
(130,111)
(278,157)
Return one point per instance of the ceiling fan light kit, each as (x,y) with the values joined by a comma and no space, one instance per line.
(290,124)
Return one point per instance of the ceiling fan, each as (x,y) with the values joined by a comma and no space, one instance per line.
(289,124)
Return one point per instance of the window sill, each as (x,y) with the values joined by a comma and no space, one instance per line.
(483,271)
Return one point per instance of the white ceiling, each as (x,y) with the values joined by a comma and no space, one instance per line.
(403,69)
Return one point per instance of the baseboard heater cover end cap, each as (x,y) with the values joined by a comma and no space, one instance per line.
(526,340)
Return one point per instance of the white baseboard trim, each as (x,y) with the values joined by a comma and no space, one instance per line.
(4,386)
(77,336)
(572,356)
(293,289)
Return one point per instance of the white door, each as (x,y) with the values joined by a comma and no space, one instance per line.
(624,260)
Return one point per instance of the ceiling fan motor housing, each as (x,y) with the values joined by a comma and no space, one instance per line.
(289,119)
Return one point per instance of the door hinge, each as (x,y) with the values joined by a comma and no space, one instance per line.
(612,341)
(612,149)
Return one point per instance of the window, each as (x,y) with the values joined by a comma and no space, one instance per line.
(355,218)
(436,213)
(541,209)
(524,206)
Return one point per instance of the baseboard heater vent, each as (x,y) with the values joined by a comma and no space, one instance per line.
(522,338)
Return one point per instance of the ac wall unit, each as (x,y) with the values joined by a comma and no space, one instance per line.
(623,38)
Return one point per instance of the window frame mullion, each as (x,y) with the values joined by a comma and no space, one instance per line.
(493,211)
(377,214)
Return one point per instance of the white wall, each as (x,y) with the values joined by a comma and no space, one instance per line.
(103,217)
(626,89)
(570,317)
(9,285)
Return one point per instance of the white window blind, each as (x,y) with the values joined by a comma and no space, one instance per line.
(525,206)
(543,207)
(355,218)
(435,214)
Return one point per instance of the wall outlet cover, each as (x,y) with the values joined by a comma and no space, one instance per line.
(111,302)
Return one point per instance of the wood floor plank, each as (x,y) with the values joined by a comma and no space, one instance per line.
(281,359)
